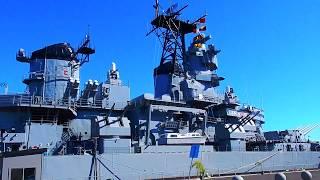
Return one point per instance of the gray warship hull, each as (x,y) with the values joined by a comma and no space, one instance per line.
(169,163)
(166,165)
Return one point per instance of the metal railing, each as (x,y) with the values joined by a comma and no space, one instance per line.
(216,99)
(89,103)
(24,99)
(98,103)
(27,100)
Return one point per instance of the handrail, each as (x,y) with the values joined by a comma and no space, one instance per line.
(24,99)
(87,102)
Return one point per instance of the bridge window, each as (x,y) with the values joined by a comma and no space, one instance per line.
(17,174)
(23,174)
(29,174)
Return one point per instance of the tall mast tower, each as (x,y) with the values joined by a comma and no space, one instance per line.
(171,31)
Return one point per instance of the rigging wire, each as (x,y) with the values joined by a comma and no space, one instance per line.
(254,164)
(135,169)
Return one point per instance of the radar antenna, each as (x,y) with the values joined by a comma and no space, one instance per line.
(171,33)
(156,7)
(82,55)
(84,50)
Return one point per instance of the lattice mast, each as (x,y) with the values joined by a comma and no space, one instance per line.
(171,31)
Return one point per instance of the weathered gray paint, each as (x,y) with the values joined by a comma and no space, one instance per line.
(28,161)
(157,165)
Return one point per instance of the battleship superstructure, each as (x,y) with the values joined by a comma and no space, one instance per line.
(57,131)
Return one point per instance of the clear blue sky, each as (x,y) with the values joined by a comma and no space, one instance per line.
(270,48)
